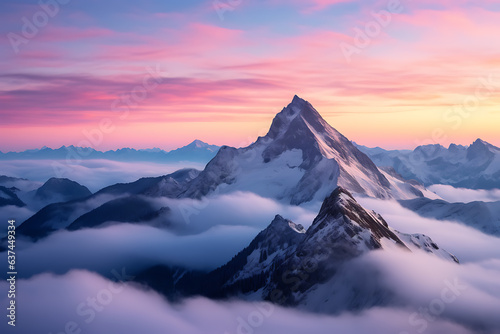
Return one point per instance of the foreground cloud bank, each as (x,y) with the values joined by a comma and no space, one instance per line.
(452,299)
(427,294)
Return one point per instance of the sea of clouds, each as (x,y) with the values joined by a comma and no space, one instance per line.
(463,195)
(77,280)
(94,174)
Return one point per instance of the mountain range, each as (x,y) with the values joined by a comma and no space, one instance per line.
(197,151)
(476,166)
(302,159)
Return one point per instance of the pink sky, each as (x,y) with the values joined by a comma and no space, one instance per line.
(222,78)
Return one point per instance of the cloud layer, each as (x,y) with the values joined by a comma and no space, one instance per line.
(94,174)
(199,237)
(427,294)
(467,243)
(462,195)
(94,304)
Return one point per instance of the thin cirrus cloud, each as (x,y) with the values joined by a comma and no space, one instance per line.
(89,99)
(312,6)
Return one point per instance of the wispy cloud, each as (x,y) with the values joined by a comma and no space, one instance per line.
(427,57)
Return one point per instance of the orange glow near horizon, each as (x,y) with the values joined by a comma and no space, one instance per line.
(196,77)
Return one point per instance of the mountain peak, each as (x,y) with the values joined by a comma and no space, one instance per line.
(305,157)
(480,142)
(338,200)
(342,216)
(282,226)
(455,147)
(430,149)
(289,116)
(62,188)
(298,101)
(285,226)
(198,143)
(480,150)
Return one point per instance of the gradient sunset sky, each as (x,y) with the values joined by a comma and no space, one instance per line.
(429,71)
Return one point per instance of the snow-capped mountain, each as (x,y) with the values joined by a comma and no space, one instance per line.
(197,151)
(249,269)
(476,166)
(484,216)
(301,159)
(421,242)
(342,230)
(285,257)
(271,245)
